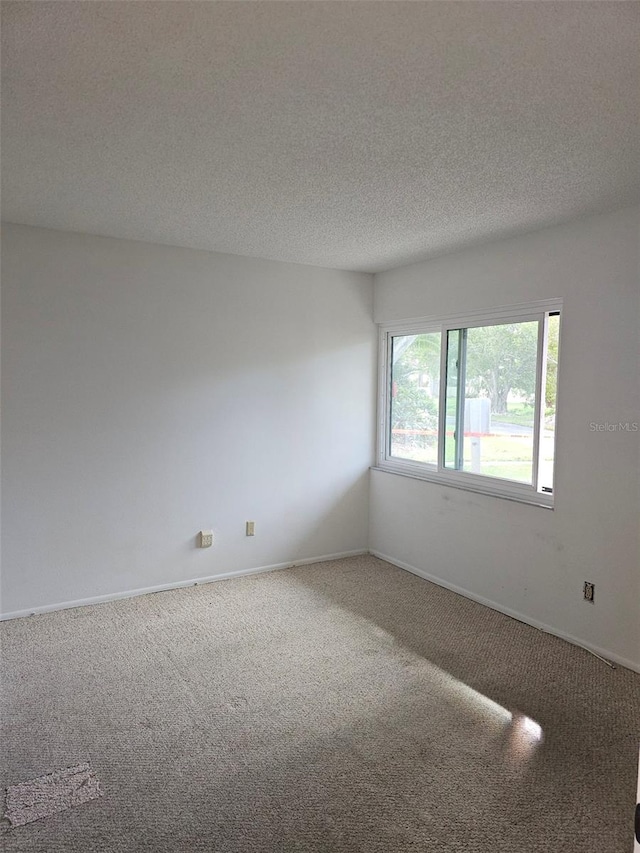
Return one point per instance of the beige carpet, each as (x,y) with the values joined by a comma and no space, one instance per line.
(346,706)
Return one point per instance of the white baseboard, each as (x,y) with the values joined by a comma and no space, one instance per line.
(131,593)
(514,614)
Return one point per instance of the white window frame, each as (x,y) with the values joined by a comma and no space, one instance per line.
(523,492)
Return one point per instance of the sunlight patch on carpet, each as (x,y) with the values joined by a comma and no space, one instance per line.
(54,792)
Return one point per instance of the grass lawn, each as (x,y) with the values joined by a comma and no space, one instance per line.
(521,414)
(502,456)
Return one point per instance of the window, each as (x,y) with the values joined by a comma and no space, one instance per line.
(471,401)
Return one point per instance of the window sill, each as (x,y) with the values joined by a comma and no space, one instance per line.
(480,488)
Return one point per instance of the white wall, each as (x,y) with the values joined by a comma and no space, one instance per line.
(526,559)
(149,392)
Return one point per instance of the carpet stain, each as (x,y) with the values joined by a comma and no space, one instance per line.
(49,794)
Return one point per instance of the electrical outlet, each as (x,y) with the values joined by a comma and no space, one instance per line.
(251,528)
(206,538)
(589,591)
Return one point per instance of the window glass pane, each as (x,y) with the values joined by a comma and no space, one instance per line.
(496,414)
(415,388)
(547,436)
(453,343)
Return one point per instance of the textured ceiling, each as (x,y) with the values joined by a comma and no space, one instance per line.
(359,135)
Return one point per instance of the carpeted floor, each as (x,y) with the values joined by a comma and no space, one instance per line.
(344,706)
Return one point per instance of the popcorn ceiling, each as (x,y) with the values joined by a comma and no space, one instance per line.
(352,135)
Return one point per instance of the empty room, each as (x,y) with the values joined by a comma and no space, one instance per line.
(320,426)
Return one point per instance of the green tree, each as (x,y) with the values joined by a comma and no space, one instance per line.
(501,359)
(414,358)
(551,384)
(413,408)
